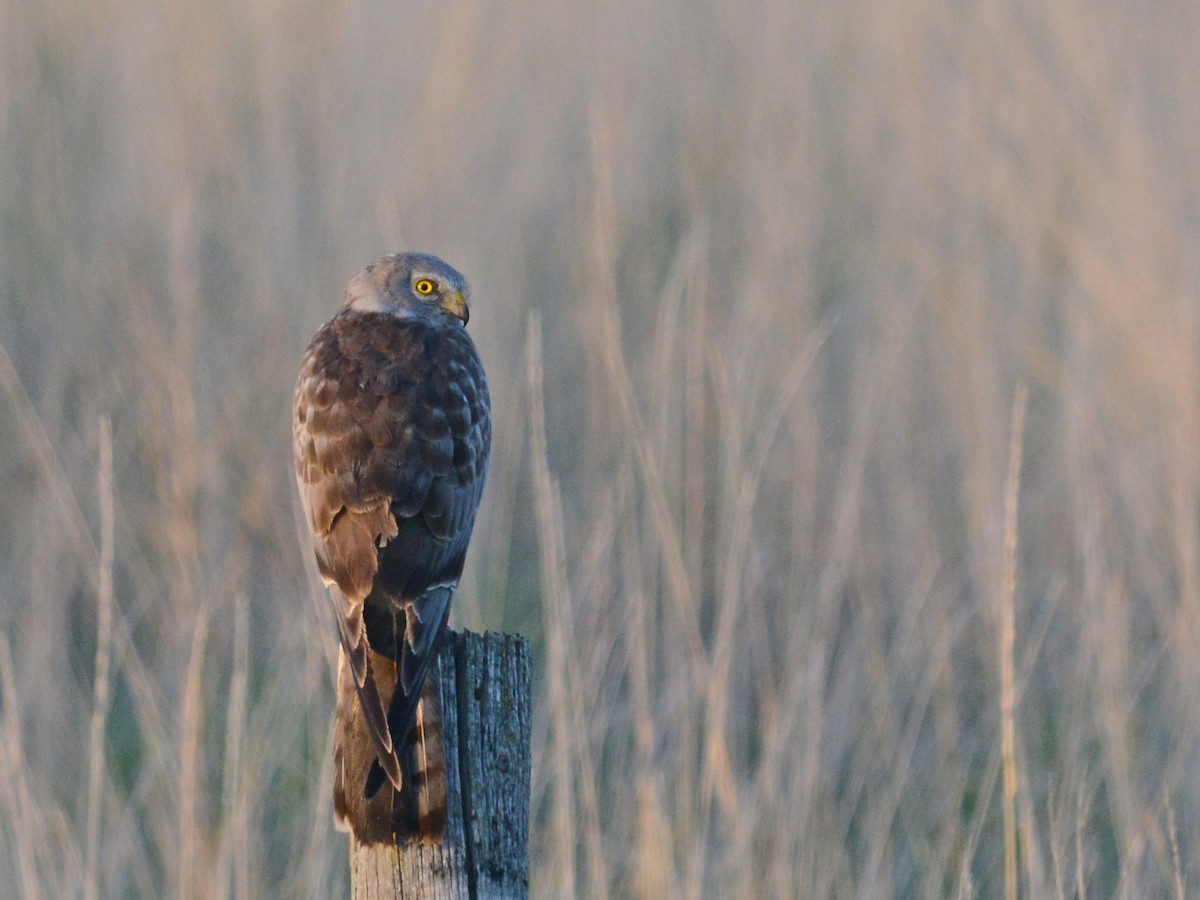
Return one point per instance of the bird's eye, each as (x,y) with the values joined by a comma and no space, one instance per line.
(425,286)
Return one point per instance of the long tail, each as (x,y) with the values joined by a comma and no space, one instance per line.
(418,810)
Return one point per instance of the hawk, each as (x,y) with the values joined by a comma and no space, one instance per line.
(392,430)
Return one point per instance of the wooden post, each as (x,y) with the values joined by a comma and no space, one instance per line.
(486,715)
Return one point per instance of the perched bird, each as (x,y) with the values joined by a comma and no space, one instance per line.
(392,429)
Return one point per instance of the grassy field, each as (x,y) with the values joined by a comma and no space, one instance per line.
(846,366)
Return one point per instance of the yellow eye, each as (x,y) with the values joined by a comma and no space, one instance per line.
(425,286)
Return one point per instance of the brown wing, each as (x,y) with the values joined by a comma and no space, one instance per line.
(392,431)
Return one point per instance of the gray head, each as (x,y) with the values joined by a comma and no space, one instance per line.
(410,285)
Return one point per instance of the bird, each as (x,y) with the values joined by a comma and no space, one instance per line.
(392,429)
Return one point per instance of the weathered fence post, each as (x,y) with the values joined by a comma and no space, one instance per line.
(486,714)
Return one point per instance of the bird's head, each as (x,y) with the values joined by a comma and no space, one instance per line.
(410,285)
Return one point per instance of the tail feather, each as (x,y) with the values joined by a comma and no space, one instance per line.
(418,810)
(428,751)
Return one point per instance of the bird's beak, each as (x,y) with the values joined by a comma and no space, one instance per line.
(456,305)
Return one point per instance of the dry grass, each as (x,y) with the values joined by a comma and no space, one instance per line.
(756,285)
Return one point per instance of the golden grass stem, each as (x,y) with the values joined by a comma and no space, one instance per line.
(190,760)
(1007,636)
(1082,810)
(100,687)
(1179,881)
(236,830)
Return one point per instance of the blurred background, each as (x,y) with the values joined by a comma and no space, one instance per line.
(783,305)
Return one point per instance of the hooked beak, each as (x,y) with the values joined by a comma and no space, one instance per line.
(456,305)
